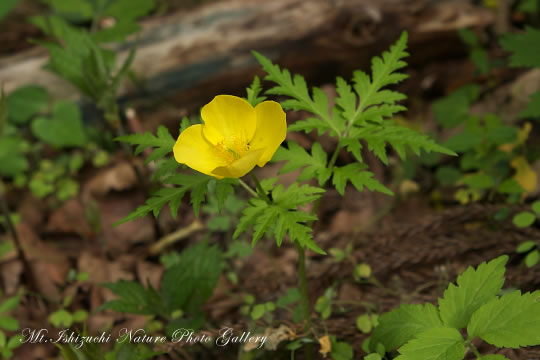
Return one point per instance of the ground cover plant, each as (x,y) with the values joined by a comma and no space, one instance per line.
(244,238)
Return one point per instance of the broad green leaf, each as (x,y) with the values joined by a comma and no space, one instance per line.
(536,207)
(26,102)
(532,110)
(509,321)
(523,219)
(61,318)
(129,9)
(448,175)
(63,129)
(15,341)
(453,109)
(474,288)
(523,46)
(479,181)
(75,10)
(532,258)
(188,284)
(401,325)
(8,323)
(341,350)
(435,344)
(9,304)
(6,6)
(525,246)
(258,311)
(12,158)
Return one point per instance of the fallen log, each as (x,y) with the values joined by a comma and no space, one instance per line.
(192,55)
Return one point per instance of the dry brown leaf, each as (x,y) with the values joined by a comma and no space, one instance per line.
(326,345)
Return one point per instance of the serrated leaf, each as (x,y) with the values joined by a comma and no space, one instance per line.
(296,88)
(358,178)
(523,47)
(163,143)
(399,137)
(253,92)
(474,288)
(383,73)
(197,272)
(281,216)
(314,165)
(511,321)
(12,158)
(172,196)
(398,326)
(435,344)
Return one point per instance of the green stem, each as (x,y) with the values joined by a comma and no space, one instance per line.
(473,349)
(260,189)
(304,293)
(4,209)
(248,188)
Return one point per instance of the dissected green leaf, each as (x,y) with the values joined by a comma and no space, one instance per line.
(253,92)
(399,137)
(400,325)
(474,288)
(313,166)
(509,321)
(162,144)
(296,88)
(281,216)
(435,344)
(358,178)
(134,298)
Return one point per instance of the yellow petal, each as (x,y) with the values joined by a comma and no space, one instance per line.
(228,117)
(270,131)
(195,151)
(241,166)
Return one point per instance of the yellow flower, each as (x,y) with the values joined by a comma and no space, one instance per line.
(234,138)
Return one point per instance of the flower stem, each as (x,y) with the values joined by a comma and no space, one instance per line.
(260,189)
(304,294)
(248,188)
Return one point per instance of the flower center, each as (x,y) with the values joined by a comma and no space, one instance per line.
(231,149)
